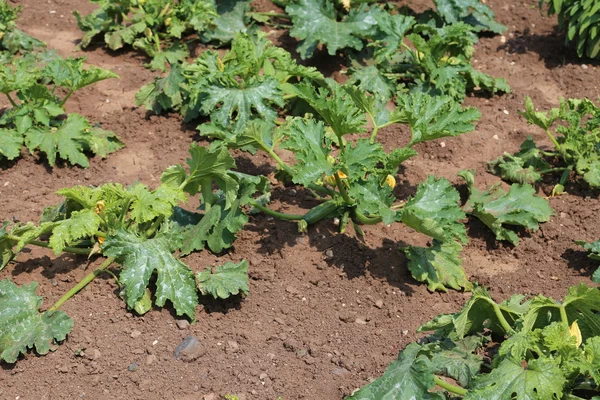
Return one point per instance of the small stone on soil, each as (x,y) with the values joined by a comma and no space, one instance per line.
(329,253)
(379,303)
(189,350)
(340,371)
(135,334)
(151,359)
(210,396)
(182,324)
(232,347)
(133,366)
(360,321)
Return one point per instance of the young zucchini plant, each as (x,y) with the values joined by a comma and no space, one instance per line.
(13,40)
(157,27)
(143,233)
(38,118)
(577,149)
(534,349)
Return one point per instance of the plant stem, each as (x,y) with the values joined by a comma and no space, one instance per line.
(207,193)
(271,14)
(545,171)
(449,387)
(82,283)
(342,189)
(363,219)
(74,250)
(503,322)
(563,316)
(555,142)
(155,226)
(267,210)
(62,103)
(12,102)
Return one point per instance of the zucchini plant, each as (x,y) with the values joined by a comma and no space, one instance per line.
(574,130)
(534,349)
(142,233)
(33,85)
(13,40)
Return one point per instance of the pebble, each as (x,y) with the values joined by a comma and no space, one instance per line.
(182,324)
(583,66)
(189,350)
(442,144)
(340,371)
(210,396)
(404,332)
(232,346)
(329,253)
(133,366)
(151,359)
(360,321)
(54,282)
(502,39)
(291,290)
(135,334)
(379,303)
(495,137)
(505,112)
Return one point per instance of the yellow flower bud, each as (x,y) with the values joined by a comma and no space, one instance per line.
(168,21)
(100,240)
(220,65)
(142,2)
(148,32)
(390,181)
(331,178)
(346,4)
(99,207)
(575,332)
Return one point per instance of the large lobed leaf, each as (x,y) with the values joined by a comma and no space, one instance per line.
(140,257)
(434,211)
(499,210)
(439,265)
(22,326)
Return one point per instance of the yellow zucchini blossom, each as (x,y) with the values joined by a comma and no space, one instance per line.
(390,181)
(100,240)
(346,4)
(575,332)
(99,207)
(331,178)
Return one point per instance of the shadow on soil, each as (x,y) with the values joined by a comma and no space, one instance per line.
(550,48)
(579,261)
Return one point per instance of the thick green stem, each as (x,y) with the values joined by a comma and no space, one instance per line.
(62,103)
(83,283)
(364,220)
(268,211)
(74,250)
(12,102)
(207,193)
(271,14)
(449,387)
(545,171)
(157,42)
(155,226)
(125,211)
(563,316)
(503,322)
(342,189)
(555,142)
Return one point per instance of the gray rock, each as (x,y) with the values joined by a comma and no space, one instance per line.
(182,324)
(189,350)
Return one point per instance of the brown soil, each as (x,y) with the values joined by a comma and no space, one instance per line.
(295,335)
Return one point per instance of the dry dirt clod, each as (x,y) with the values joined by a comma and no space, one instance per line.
(210,396)
(189,350)
(379,303)
(151,359)
(135,334)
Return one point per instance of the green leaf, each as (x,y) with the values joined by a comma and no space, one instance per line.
(205,167)
(146,205)
(374,199)
(11,143)
(164,93)
(236,106)
(457,360)
(102,143)
(435,117)
(306,138)
(68,140)
(594,249)
(480,313)
(498,209)
(409,377)
(540,379)
(174,55)
(581,304)
(71,74)
(315,22)
(231,19)
(227,280)
(523,167)
(434,211)
(81,224)
(472,12)
(22,326)
(140,257)
(439,265)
